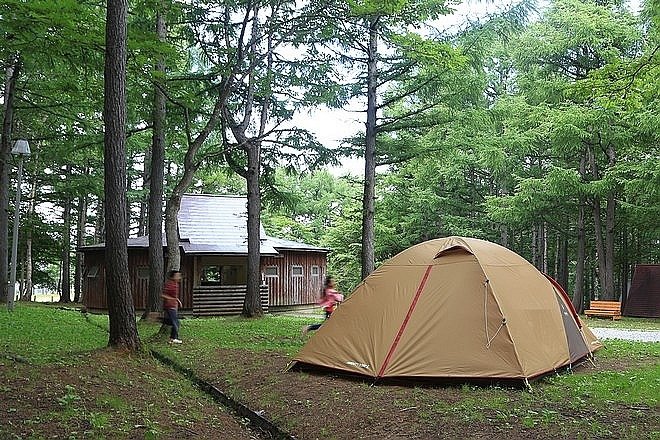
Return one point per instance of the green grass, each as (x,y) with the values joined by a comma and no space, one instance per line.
(280,333)
(624,323)
(630,350)
(42,334)
(50,336)
(88,398)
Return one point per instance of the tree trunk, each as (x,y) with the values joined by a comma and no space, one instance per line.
(121,312)
(142,227)
(544,243)
(252,303)
(598,228)
(368,199)
(504,236)
(578,293)
(555,271)
(156,177)
(21,283)
(625,267)
(99,227)
(80,241)
(600,246)
(172,230)
(535,246)
(65,296)
(129,179)
(610,237)
(27,288)
(27,293)
(59,278)
(13,71)
(608,287)
(562,263)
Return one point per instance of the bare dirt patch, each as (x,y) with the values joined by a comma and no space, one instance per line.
(105,394)
(329,406)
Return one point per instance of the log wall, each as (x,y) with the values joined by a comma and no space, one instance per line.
(223,300)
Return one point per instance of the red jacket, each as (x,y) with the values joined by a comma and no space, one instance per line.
(330,300)
(171,290)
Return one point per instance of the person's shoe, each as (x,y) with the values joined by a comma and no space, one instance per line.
(176,341)
(304,330)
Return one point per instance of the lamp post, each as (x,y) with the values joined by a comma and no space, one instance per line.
(21,148)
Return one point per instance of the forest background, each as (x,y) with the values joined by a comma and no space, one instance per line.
(536,127)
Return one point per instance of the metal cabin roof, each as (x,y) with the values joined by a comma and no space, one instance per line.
(281,243)
(211,224)
(133,242)
(217,224)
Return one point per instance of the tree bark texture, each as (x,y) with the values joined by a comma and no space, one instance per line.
(172,230)
(504,236)
(562,261)
(27,290)
(535,246)
(80,241)
(65,296)
(252,304)
(26,294)
(156,177)
(99,226)
(598,227)
(368,199)
(121,312)
(625,267)
(544,247)
(610,233)
(11,79)
(142,227)
(578,292)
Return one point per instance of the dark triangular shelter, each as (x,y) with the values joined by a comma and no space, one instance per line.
(644,296)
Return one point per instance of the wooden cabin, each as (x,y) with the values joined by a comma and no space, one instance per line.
(213,246)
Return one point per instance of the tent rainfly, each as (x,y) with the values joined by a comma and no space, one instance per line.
(454,308)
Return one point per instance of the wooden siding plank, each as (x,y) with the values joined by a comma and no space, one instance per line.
(223,300)
(286,290)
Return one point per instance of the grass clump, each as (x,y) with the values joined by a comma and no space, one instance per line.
(42,334)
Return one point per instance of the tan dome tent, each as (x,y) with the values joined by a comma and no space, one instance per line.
(452,308)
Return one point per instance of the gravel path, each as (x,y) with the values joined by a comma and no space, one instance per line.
(630,335)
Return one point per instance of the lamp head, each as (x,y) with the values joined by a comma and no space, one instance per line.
(21,146)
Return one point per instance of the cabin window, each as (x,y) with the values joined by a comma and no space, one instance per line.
(211,275)
(296,271)
(143,273)
(92,272)
(270,271)
(315,271)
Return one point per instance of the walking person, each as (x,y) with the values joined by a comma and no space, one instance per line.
(171,303)
(330,297)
